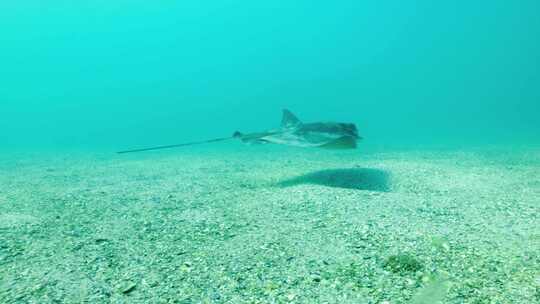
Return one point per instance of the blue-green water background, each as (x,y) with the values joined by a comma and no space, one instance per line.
(117,74)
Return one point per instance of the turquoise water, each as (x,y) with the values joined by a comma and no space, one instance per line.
(118,74)
(438,205)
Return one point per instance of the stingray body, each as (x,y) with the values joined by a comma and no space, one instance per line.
(292,132)
(329,135)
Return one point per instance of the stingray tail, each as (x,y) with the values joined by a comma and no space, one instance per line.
(177,145)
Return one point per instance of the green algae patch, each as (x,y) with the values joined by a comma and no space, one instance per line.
(402,263)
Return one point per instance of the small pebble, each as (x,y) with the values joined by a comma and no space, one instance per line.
(129,287)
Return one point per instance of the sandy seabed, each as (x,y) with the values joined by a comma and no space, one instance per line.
(271,225)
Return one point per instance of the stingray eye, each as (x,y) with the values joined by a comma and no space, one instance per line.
(348,127)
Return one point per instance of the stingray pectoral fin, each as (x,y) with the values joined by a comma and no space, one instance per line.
(344,142)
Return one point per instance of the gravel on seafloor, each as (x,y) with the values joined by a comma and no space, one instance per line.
(271,225)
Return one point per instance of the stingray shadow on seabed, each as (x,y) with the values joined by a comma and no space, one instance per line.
(353,178)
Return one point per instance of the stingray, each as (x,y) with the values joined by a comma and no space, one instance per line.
(292,132)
